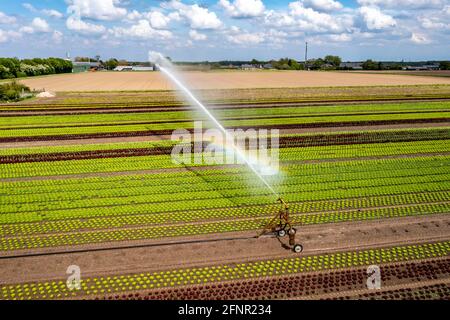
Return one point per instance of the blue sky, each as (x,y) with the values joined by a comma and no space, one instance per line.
(227,29)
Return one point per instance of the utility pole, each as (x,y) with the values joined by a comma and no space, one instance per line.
(306,55)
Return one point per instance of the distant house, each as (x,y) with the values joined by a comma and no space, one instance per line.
(142,68)
(134,68)
(251,66)
(425,67)
(248,67)
(351,65)
(327,66)
(123,68)
(268,66)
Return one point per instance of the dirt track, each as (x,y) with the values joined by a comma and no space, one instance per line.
(315,238)
(114,81)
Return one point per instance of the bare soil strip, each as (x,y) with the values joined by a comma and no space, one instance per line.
(52,110)
(169,132)
(185,120)
(151,138)
(316,239)
(284,142)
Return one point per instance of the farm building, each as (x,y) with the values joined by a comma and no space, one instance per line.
(250,67)
(85,66)
(142,68)
(134,68)
(426,67)
(351,65)
(123,68)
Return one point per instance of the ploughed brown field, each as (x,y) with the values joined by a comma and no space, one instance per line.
(113,81)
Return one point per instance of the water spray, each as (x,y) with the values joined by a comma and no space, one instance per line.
(280,223)
(165,66)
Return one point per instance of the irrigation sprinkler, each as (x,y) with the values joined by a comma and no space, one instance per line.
(281,225)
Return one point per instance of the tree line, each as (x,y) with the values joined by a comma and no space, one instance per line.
(329,62)
(11,68)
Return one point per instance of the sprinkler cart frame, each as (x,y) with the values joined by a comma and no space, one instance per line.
(281,225)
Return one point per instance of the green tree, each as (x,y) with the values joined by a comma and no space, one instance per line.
(371,65)
(317,64)
(111,64)
(335,61)
(444,65)
(293,64)
(83,59)
(11,67)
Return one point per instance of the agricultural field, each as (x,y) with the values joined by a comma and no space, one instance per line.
(433,73)
(122,81)
(88,180)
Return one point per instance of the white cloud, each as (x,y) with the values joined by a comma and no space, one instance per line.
(278,19)
(5,19)
(158,20)
(198,17)
(74,23)
(343,37)
(134,15)
(439,21)
(235,29)
(29,7)
(243,8)
(446,10)
(38,25)
(57,36)
(52,13)
(323,5)
(141,30)
(434,23)
(245,38)
(48,12)
(419,38)
(96,9)
(5,36)
(308,19)
(404,4)
(26,29)
(375,19)
(175,16)
(194,35)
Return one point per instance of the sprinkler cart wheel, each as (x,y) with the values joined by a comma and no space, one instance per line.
(298,248)
(281,233)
